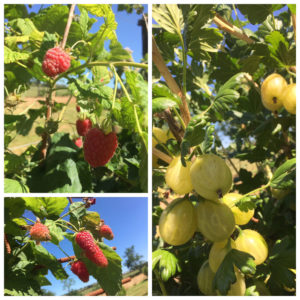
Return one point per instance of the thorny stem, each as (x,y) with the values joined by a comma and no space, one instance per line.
(161,283)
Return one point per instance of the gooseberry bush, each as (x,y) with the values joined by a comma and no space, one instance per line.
(223,142)
(106,104)
(27,260)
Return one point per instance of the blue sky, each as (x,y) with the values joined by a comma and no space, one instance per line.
(128,219)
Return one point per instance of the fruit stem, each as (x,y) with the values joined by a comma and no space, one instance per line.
(66,254)
(70,224)
(161,283)
(162,145)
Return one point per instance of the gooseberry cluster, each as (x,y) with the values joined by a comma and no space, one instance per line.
(216,216)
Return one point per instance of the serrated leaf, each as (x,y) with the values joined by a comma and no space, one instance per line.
(169,17)
(168,263)
(284,175)
(83,22)
(11,56)
(55,231)
(209,138)
(14,186)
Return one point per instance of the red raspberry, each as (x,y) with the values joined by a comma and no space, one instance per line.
(86,242)
(106,232)
(98,147)
(78,108)
(56,61)
(79,269)
(40,232)
(83,126)
(78,142)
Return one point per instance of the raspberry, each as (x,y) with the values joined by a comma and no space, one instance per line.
(40,232)
(78,108)
(98,147)
(56,61)
(106,232)
(79,269)
(78,142)
(86,242)
(83,126)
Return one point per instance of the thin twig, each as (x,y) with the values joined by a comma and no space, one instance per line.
(161,155)
(67,29)
(233,30)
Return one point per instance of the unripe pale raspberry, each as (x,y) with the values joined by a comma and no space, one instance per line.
(79,269)
(40,232)
(86,242)
(106,232)
(99,147)
(83,126)
(56,61)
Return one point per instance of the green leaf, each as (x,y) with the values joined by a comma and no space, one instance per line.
(162,103)
(284,175)
(246,203)
(161,90)
(55,231)
(54,205)
(169,17)
(15,206)
(14,186)
(193,136)
(257,13)
(225,275)
(83,22)
(13,56)
(168,263)
(292,8)
(209,138)
(43,257)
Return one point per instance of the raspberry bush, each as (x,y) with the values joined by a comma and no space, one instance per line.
(27,259)
(223,145)
(106,93)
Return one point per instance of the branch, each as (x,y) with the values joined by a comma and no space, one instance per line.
(170,81)
(67,29)
(233,30)
(7,245)
(161,155)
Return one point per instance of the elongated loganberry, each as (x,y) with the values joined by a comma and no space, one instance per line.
(92,251)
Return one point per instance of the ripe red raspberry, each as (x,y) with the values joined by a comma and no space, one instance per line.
(83,126)
(56,61)
(40,232)
(78,142)
(86,242)
(106,232)
(78,108)
(98,147)
(79,269)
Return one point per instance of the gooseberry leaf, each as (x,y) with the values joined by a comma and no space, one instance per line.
(284,175)
(168,263)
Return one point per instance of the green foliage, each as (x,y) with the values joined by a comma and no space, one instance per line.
(219,72)
(30,262)
(56,164)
